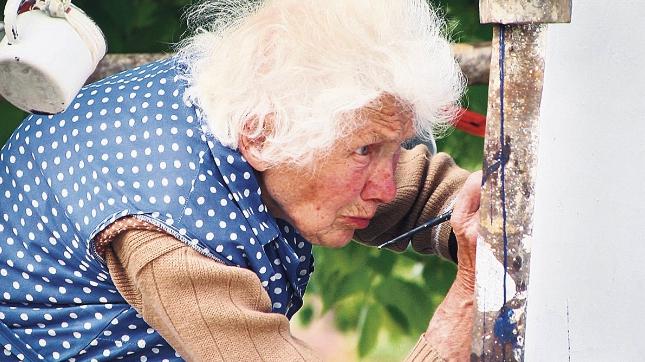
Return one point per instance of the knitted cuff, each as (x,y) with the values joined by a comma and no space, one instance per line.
(423,351)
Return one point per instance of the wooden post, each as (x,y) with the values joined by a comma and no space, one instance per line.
(515,91)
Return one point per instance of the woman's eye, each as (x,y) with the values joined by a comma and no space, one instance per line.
(362,151)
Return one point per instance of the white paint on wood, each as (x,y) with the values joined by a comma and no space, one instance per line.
(490,275)
(588,253)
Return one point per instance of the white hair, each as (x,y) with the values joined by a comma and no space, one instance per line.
(293,70)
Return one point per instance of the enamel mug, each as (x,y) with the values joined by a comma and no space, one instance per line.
(45,60)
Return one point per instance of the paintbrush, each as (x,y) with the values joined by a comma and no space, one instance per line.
(428,224)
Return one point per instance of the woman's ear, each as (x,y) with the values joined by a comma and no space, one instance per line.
(251,147)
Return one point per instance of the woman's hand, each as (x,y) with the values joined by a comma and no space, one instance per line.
(450,329)
(465,225)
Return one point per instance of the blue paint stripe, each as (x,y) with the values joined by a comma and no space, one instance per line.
(502,142)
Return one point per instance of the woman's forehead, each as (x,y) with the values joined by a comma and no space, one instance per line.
(386,119)
(389,104)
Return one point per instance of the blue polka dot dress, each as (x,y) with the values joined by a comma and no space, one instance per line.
(128,145)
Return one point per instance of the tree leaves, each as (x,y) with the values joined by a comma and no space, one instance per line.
(306,314)
(137,25)
(407,297)
(368,328)
(372,291)
(398,317)
(9,119)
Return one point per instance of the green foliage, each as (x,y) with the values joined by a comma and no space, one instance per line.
(370,291)
(462,17)
(368,327)
(138,26)
(398,291)
(10,117)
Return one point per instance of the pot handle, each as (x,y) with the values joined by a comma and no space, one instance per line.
(54,8)
(10,15)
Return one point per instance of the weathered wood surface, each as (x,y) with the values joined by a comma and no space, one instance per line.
(524,11)
(503,251)
(474,60)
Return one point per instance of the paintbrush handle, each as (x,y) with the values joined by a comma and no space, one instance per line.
(428,224)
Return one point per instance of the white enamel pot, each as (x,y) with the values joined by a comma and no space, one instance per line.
(45,60)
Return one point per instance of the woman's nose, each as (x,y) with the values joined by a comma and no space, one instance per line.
(381,185)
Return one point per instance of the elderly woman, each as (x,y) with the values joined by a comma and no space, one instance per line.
(171,211)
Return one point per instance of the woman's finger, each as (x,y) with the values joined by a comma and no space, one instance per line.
(465,222)
(468,198)
(467,205)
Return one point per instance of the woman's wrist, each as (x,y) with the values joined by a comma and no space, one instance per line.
(464,282)
(450,329)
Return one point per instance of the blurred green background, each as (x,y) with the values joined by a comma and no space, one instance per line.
(381,299)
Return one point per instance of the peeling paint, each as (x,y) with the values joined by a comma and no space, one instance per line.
(489,276)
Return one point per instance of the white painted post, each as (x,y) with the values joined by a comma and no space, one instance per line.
(587,280)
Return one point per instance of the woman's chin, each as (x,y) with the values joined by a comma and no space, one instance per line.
(337,239)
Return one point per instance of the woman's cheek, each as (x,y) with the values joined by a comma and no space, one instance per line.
(356,180)
(346,182)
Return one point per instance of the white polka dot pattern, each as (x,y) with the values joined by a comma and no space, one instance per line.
(128,145)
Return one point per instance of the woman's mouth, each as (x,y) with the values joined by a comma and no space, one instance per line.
(356,222)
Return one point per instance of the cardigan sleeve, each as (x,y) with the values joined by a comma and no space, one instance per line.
(206,310)
(426,187)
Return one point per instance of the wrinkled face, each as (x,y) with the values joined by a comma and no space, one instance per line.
(329,200)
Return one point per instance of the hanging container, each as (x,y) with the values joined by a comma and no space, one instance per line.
(49,50)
